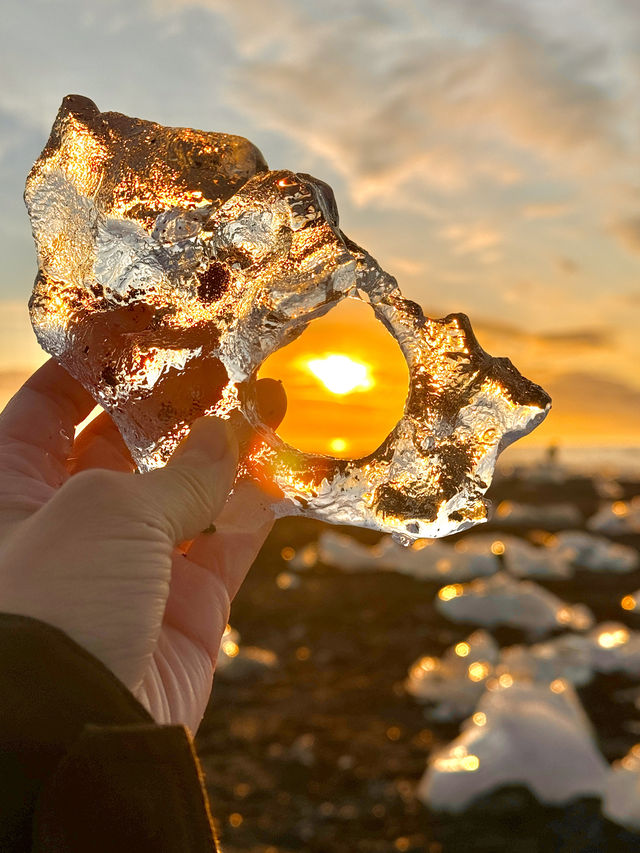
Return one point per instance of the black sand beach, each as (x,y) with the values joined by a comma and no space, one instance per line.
(323,753)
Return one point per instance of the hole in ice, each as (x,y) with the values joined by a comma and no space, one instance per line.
(346,382)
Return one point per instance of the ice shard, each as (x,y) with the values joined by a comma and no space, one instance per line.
(172,263)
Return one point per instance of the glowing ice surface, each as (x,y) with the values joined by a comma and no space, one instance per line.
(424,560)
(622,792)
(502,600)
(172,263)
(595,552)
(617,518)
(522,734)
(451,685)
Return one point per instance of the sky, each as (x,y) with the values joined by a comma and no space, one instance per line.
(487,153)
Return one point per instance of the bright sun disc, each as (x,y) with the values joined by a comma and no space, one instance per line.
(341,374)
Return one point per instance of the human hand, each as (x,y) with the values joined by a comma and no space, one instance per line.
(90,548)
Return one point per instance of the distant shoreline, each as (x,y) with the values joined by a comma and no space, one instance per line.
(584,460)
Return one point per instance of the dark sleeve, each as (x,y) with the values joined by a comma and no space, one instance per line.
(83,766)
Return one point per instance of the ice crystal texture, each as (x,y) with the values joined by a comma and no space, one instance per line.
(172,263)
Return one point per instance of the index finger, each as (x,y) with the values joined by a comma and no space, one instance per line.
(43,415)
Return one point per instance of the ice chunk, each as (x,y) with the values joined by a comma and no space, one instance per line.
(621,802)
(614,648)
(548,516)
(595,552)
(526,561)
(568,657)
(172,264)
(609,647)
(451,685)
(521,734)
(346,553)
(617,518)
(502,600)
(424,560)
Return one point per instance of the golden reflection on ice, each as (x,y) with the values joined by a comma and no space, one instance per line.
(459,760)
(620,508)
(230,648)
(450,591)
(478,670)
(564,615)
(614,638)
(424,666)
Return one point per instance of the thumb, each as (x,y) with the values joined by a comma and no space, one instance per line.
(189,492)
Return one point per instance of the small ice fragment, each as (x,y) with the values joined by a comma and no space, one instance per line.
(502,600)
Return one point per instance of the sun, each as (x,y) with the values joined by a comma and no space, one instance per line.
(341,374)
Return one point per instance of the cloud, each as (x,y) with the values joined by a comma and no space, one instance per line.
(471,239)
(480,149)
(576,338)
(590,408)
(628,233)
(587,392)
(553,341)
(409,100)
(546,210)
(567,265)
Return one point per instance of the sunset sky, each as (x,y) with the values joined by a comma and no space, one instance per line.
(487,152)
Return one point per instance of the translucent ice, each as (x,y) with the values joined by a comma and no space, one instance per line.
(622,793)
(502,600)
(426,559)
(522,734)
(172,263)
(609,647)
(547,516)
(567,657)
(451,685)
(616,519)
(595,552)
(526,561)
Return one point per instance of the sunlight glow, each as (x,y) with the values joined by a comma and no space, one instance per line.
(341,374)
